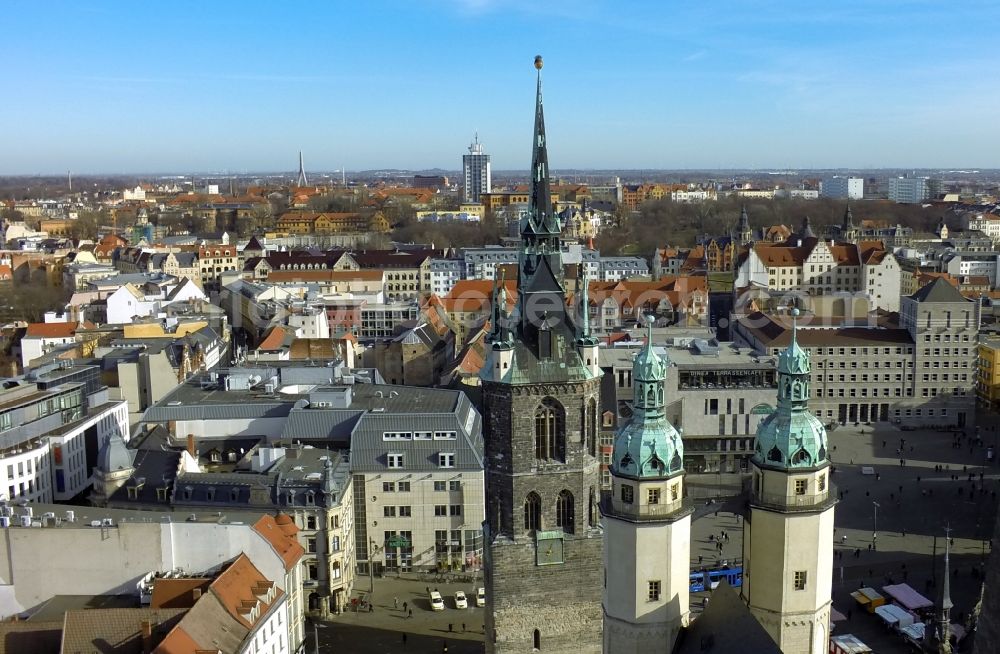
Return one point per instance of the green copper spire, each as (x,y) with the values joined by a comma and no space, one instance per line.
(792,437)
(648,446)
(583,326)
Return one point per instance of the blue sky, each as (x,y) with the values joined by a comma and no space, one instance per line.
(212,86)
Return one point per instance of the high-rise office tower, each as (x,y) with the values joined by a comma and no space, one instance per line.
(475,171)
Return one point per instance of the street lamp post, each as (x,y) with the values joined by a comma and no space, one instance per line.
(875,525)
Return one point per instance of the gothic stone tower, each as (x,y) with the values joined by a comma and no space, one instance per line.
(541,386)
(647,526)
(788,533)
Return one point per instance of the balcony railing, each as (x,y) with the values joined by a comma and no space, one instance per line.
(801,502)
(636,511)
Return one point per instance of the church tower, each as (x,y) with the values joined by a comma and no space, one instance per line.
(541,398)
(744,231)
(647,526)
(788,532)
(848,230)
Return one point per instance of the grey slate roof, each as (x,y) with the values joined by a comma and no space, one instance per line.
(939,291)
(726,626)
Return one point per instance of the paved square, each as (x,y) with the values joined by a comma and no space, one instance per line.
(915,502)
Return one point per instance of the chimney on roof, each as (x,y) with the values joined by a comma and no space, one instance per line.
(196,594)
(146,631)
(190,445)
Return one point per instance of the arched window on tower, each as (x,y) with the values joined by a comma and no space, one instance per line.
(564,511)
(550,431)
(650,396)
(532,512)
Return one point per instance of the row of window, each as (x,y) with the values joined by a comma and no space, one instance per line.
(396,460)
(652,494)
(404,486)
(419,435)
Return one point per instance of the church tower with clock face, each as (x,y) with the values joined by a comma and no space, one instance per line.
(541,397)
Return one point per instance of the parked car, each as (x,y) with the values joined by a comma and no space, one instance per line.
(460,601)
(437,602)
(481,597)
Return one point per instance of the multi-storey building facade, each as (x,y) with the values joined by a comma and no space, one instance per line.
(217,259)
(51,425)
(920,371)
(445,273)
(435,461)
(312,486)
(717,394)
(843,188)
(988,372)
(817,267)
(909,190)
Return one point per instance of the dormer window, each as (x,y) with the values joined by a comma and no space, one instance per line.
(774,454)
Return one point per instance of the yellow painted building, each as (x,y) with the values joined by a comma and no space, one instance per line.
(988,373)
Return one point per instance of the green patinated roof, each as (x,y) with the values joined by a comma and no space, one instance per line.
(648,446)
(792,437)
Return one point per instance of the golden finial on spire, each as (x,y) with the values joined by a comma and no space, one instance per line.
(538,62)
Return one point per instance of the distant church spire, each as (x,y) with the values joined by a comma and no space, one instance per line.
(848,218)
(302,181)
(942,631)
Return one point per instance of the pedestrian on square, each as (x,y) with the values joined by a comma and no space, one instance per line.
(404,607)
(450,628)
(463,627)
(395,602)
(850,613)
(371,607)
(883,443)
(404,639)
(409,614)
(843,539)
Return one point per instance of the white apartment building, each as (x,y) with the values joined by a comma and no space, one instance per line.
(445,273)
(52,421)
(843,188)
(987,223)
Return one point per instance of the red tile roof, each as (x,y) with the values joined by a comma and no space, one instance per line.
(51,329)
(282,538)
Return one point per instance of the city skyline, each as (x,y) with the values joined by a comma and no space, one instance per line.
(114,88)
